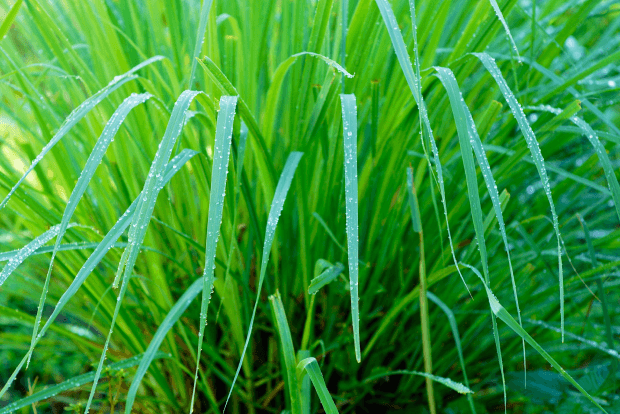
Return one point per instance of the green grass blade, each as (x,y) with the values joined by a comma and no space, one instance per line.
(222,82)
(327,60)
(456,386)
(95,258)
(457,341)
(23,253)
(349,130)
(314,372)
(74,383)
(415,86)
(612,180)
(467,128)
(153,185)
(326,277)
(200,37)
(424,318)
(104,141)
(288,353)
(500,16)
(221,155)
(152,351)
(272,221)
(601,288)
(466,139)
(8,20)
(79,113)
(6,256)
(503,314)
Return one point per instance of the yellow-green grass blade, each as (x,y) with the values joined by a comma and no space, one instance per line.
(95,158)
(98,254)
(456,386)
(272,221)
(288,353)
(8,20)
(499,311)
(79,113)
(311,366)
(200,37)
(349,130)
(75,382)
(461,116)
(153,349)
(414,84)
(326,277)
(144,210)
(221,155)
(457,341)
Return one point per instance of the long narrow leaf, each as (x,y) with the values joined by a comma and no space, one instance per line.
(349,122)
(272,222)
(153,349)
(221,155)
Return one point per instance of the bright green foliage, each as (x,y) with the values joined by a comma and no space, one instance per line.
(314,272)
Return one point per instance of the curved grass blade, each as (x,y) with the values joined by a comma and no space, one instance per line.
(349,130)
(104,141)
(314,372)
(152,351)
(457,340)
(414,82)
(95,258)
(223,137)
(327,60)
(466,139)
(468,136)
(8,20)
(500,16)
(153,185)
(499,311)
(200,37)
(288,353)
(273,94)
(326,277)
(539,162)
(75,382)
(26,251)
(79,113)
(272,221)
(456,386)
(612,180)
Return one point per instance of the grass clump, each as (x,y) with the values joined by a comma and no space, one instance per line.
(447,242)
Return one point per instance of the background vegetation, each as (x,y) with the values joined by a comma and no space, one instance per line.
(415,313)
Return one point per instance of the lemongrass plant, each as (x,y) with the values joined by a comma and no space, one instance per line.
(311,206)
